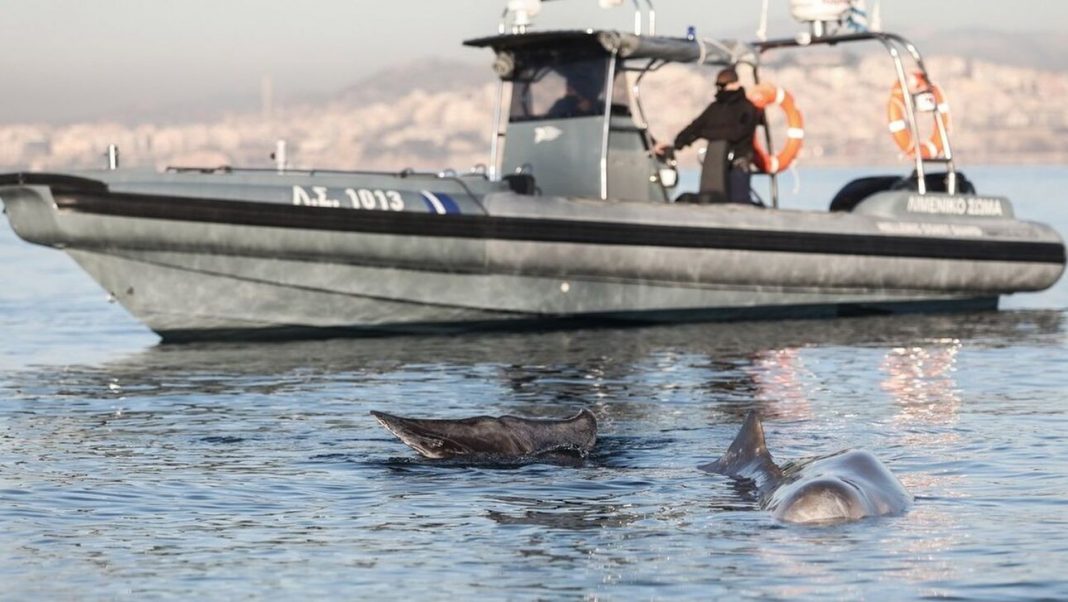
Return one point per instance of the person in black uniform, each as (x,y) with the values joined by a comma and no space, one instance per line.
(728,125)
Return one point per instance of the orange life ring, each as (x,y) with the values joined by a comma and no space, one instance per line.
(898,124)
(764,95)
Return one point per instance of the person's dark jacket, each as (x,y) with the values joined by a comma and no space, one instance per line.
(731,117)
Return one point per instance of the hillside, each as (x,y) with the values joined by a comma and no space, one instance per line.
(437,114)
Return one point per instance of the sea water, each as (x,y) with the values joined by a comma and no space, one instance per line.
(129,469)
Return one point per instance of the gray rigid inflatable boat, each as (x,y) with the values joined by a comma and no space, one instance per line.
(583,229)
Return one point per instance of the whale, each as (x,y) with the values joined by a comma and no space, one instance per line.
(845,486)
(489,437)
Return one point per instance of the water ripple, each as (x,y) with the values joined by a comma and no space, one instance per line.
(237,471)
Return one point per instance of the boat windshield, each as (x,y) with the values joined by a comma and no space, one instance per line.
(561,90)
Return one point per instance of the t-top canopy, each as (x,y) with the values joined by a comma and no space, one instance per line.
(679,50)
(625,45)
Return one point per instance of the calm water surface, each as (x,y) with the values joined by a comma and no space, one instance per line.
(234,471)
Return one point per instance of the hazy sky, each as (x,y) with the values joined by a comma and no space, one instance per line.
(74,59)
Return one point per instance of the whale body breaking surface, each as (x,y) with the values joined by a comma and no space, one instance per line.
(504,437)
(845,486)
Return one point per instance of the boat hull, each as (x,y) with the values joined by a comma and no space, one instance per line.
(195,268)
(297,298)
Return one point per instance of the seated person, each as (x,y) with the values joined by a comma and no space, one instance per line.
(576,101)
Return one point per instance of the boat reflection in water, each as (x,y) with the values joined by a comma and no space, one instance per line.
(622,372)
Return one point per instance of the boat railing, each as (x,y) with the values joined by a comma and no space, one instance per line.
(446,175)
(404,173)
(890,42)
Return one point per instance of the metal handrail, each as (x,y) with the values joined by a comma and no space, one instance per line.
(910,114)
(888,40)
(608,98)
(404,173)
(773,177)
(495,142)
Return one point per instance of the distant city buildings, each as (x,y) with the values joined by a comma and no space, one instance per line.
(1000,114)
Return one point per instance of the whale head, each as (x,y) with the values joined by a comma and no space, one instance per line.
(847,485)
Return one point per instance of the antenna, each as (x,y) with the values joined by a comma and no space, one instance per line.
(652,17)
(279,156)
(762,31)
(820,15)
(113,157)
(522,13)
(266,97)
(638,16)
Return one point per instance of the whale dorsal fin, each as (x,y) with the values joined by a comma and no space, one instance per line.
(748,456)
